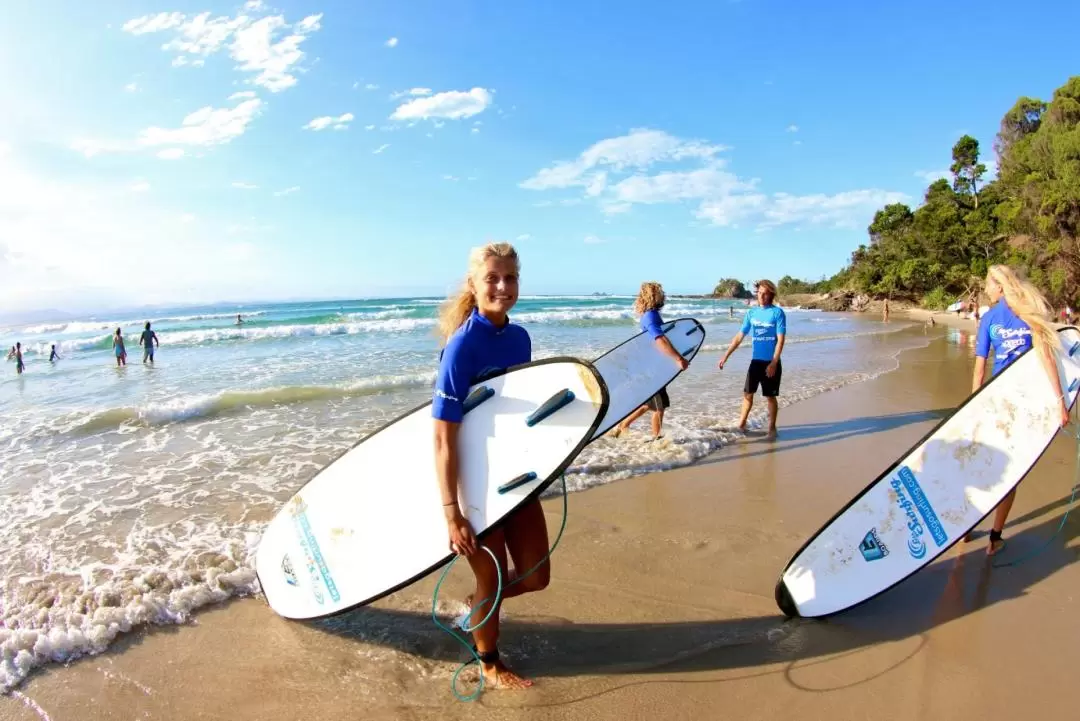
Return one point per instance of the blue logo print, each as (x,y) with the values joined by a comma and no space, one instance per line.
(872,548)
(917,502)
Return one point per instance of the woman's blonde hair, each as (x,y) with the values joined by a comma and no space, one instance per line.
(456,309)
(650,297)
(1027,303)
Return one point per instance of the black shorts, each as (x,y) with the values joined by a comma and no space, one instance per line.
(755,375)
(660,401)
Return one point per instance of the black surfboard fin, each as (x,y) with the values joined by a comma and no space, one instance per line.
(551,405)
(519,481)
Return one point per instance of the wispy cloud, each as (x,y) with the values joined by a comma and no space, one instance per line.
(793,128)
(244,186)
(341,122)
(617,173)
(523,237)
(391,43)
(593,240)
(452,105)
(931,175)
(205,127)
(286,191)
(266,47)
(381,148)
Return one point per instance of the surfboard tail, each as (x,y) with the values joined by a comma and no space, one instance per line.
(784,601)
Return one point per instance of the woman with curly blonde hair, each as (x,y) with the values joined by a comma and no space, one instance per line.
(649,301)
(1018,321)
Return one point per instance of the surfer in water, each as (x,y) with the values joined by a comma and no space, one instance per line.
(479,340)
(768,324)
(649,301)
(1018,319)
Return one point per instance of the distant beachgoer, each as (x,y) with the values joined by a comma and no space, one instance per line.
(649,301)
(53,355)
(885,311)
(19,365)
(118,348)
(1018,319)
(239,320)
(480,339)
(731,311)
(769,326)
(147,341)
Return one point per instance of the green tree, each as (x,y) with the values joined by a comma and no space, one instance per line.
(966,169)
(731,288)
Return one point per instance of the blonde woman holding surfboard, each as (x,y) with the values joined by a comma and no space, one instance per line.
(1018,320)
(480,340)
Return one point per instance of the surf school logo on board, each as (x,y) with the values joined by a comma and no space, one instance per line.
(287,569)
(921,516)
(316,565)
(872,548)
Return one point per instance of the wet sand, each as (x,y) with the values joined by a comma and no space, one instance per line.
(661,605)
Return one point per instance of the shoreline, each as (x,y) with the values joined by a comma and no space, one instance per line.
(660,602)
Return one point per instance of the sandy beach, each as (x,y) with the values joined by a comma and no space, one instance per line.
(661,604)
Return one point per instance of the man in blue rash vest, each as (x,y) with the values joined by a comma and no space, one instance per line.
(767,325)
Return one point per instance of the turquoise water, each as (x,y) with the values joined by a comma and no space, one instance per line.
(137,494)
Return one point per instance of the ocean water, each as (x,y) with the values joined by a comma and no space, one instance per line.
(137,495)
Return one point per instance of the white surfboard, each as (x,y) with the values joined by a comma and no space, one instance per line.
(936,492)
(635,370)
(372,521)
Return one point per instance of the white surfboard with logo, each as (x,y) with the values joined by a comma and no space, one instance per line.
(936,492)
(372,521)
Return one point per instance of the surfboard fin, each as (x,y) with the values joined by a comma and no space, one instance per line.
(687,352)
(519,481)
(692,330)
(551,405)
(477,397)
(1074,384)
(1075,348)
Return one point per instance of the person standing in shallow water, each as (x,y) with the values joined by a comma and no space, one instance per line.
(118,348)
(481,340)
(147,341)
(648,303)
(1018,320)
(768,325)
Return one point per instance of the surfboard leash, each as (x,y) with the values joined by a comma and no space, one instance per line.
(494,606)
(1064,518)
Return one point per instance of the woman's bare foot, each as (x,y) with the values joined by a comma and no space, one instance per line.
(771,435)
(994,547)
(498,676)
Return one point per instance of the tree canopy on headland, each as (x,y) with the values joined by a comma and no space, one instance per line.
(1028,217)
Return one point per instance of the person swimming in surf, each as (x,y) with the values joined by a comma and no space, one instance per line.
(479,340)
(53,355)
(649,301)
(147,341)
(768,323)
(118,348)
(1018,320)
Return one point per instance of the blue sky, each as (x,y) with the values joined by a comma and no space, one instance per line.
(158,152)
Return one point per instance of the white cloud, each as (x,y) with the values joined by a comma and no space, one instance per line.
(453,105)
(254,5)
(243,95)
(475,130)
(381,148)
(253,43)
(140,187)
(392,43)
(371,86)
(369,127)
(454,178)
(593,240)
(153,23)
(244,186)
(206,126)
(721,197)
(287,191)
(131,87)
(793,128)
(341,122)
(523,237)
(931,175)
(413,92)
